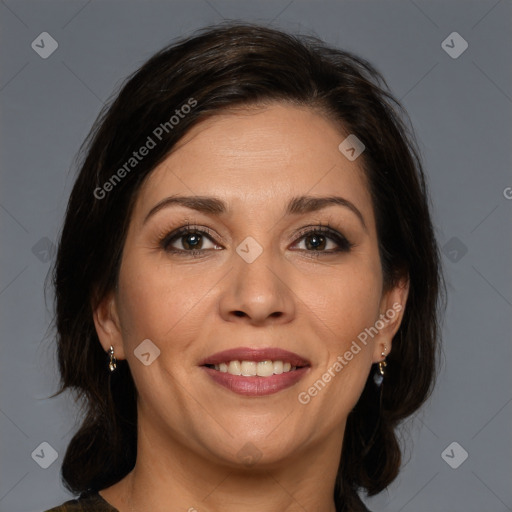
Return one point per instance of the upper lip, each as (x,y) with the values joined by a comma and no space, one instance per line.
(255,354)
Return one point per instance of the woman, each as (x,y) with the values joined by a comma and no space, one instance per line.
(247,283)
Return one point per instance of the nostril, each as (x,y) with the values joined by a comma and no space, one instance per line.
(239,313)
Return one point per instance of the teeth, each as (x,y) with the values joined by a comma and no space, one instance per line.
(253,368)
(248,368)
(234,368)
(278,367)
(265,369)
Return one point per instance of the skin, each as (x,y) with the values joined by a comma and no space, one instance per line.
(191,430)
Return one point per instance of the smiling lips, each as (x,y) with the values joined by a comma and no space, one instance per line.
(255,372)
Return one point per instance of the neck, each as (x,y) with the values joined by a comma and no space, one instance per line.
(194,483)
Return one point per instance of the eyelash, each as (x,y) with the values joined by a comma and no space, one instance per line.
(343,244)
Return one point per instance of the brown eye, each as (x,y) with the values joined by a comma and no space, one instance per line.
(186,239)
(192,241)
(315,242)
(323,239)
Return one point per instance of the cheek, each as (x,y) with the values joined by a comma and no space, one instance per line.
(155,302)
(343,306)
(346,301)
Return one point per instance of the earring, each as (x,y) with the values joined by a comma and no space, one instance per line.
(112,359)
(379,376)
(375,412)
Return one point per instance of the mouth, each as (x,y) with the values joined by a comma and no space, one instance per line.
(255,372)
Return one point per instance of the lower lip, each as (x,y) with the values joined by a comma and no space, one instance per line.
(256,386)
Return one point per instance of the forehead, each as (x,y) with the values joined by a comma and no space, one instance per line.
(255,157)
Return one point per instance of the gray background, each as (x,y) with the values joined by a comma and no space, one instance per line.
(461,111)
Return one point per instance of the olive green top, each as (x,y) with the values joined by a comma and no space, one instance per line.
(89,501)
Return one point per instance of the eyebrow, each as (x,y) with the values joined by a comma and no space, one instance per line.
(296,206)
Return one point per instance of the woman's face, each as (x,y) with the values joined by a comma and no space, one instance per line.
(266,268)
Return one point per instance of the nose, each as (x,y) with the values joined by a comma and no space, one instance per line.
(257,293)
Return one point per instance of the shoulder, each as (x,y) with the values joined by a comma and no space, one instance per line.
(88,501)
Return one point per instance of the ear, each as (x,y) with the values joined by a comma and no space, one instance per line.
(392,308)
(108,327)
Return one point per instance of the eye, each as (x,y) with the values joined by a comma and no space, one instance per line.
(194,241)
(322,239)
(189,240)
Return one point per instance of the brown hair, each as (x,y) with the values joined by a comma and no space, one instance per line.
(224,66)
